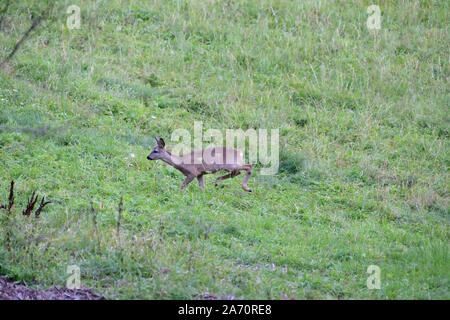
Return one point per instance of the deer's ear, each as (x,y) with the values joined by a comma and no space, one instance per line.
(161,143)
(157,140)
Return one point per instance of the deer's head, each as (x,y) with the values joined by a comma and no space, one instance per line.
(158,151)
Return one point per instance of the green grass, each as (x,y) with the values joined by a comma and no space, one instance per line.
(364,142)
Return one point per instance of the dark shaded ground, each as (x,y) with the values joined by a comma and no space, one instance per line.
(12,291)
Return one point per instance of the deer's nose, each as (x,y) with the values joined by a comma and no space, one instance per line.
(148,157)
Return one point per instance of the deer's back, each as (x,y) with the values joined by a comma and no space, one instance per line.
(213,159)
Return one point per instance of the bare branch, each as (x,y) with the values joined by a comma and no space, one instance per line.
(41,206)
(35,23)
(94,220)
(30,205)
(118,219)
(11,197)
(3,12)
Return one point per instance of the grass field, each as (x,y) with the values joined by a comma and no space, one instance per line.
(364,139)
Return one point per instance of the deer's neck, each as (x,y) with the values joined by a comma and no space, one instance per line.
(174,161)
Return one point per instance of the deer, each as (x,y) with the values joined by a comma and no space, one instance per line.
(209,160)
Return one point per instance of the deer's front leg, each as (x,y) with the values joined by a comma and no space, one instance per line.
(187,181)
(201,184)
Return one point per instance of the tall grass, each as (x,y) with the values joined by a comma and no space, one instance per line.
(363,119)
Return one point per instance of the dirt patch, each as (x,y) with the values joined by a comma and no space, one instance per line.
(12,291)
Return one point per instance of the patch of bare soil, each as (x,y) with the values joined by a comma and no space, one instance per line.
(12,291)
(210,296)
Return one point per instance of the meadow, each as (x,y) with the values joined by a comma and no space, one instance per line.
(363,117)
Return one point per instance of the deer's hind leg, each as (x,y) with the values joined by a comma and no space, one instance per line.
(248,168)
(227,176)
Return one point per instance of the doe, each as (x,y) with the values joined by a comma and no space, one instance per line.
(209,160)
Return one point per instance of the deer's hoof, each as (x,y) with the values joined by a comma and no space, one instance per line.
(215,184)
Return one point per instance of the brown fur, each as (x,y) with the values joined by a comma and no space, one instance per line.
(210,160)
